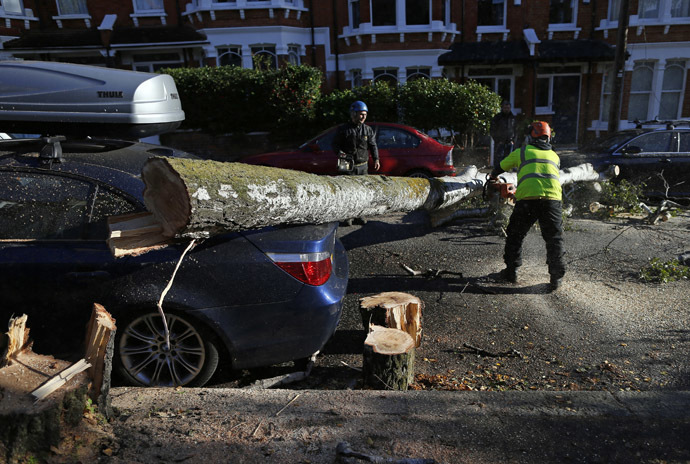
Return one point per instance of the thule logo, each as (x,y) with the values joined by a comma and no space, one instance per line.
(174,96)
(110,94)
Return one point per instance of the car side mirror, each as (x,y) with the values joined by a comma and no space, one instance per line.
(631,150)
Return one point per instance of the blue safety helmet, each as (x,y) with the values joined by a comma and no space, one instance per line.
(359,106)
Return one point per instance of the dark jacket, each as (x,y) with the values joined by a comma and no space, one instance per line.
(504,127)
(355,140)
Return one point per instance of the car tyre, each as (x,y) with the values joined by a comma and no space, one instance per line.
(419,174)
(142,357)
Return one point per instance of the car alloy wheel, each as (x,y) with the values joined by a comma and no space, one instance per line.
(419,174)
(146,359)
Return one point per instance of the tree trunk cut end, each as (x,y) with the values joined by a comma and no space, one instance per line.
(166,196)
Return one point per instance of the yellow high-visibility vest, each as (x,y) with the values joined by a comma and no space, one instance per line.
(538,173)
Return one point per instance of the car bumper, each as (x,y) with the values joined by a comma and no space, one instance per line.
(261,335)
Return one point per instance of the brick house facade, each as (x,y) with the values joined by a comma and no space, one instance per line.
(552,59)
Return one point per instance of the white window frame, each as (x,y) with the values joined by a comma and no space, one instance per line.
(566,27)
(489,73)
(385,71)
(653,65)
(500,28)
(663,68)
(153,65)
(265,49)
(235,50)
(417,72)
(356,78)
(149,11)
(543,110)
(607,80)
(664,17)
(18,6)
(72,15)
(351,19)
(400,18)
(294,54)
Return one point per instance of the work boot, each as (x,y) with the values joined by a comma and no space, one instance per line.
(555,283)
(509,274)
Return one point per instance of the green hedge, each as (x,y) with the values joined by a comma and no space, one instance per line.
(288,102)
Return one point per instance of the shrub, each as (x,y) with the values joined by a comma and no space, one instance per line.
(664,271)
(622,196)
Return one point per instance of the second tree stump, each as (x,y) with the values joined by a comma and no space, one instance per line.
(396,310)
(388,359)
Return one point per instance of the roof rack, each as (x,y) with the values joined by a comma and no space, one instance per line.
(670,124)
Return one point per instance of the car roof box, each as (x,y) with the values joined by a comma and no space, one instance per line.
(49,98)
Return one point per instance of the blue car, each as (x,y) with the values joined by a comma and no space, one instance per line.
(247,299)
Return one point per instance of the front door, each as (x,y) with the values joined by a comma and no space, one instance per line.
(566,101)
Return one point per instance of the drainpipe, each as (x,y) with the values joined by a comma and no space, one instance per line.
(621,45)
(335,44)
(311,26)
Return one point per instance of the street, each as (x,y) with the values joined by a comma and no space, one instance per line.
(605,329)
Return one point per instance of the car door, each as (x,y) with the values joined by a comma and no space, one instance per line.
(397,151)
(681,165)
(648,159)
(317,156)
(54,260)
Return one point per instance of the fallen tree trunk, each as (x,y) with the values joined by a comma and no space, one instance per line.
(198,198)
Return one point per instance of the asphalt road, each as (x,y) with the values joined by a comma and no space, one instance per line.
(604,329)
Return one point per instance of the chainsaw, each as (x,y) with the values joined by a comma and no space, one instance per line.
(505,189)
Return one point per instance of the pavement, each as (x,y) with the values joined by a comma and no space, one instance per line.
(405,427)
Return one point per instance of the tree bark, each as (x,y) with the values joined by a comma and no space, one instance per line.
(395,310)
(199,198)
(388,359)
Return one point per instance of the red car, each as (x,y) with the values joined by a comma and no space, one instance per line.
(403,151)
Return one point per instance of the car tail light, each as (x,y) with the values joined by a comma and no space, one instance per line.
(310,268)
(449,158)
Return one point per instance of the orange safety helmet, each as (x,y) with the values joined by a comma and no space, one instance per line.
(539,129)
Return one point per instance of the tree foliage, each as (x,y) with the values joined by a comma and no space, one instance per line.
(289,101)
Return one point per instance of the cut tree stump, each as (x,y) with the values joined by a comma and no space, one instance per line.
(15,340)
(388,359)
(190,198)
(100,346)
(395,310)
(30,426)
(43,399)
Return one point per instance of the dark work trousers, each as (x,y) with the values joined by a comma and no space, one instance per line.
(525,214)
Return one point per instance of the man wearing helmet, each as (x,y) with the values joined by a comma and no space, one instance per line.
(538,198)
(354,139)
